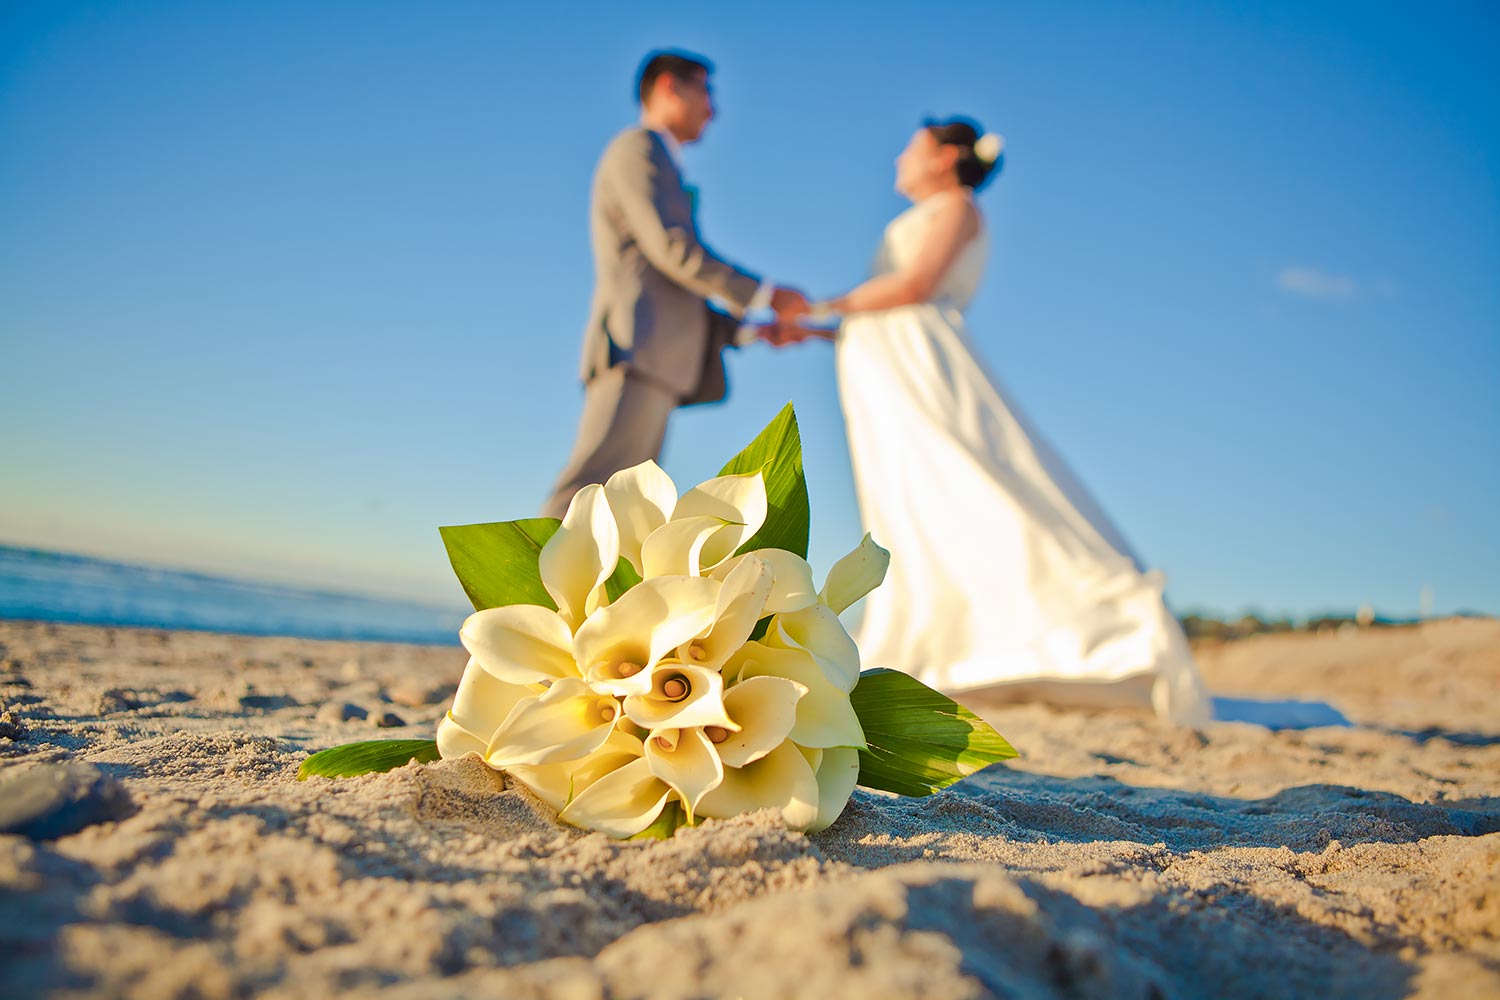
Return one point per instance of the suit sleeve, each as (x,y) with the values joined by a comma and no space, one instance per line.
(658,215)
(722,329)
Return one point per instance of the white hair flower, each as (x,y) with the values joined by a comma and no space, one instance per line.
(988,147)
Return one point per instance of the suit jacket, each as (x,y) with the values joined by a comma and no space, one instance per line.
(653,276)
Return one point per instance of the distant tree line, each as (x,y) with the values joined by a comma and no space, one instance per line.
(1209,628)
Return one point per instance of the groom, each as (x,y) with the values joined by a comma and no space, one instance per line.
(653,343)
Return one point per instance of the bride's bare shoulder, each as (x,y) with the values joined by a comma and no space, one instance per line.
(956,207)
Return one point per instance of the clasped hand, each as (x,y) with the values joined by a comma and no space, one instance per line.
(790,305)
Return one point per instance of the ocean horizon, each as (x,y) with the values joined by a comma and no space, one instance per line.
(44,585)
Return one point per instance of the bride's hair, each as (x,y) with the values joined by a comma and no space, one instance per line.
(973,170)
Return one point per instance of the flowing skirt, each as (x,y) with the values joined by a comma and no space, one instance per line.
(1006,577)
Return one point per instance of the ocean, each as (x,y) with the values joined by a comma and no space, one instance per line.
(59,587)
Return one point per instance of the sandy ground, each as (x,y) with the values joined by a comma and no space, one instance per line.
(1119,857)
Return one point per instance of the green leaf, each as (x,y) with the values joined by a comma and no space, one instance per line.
(497,562)
(366,757)
(623,578)
(920,741)
(672,817)
(777,454)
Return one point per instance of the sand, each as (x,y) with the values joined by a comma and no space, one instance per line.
(1120,857)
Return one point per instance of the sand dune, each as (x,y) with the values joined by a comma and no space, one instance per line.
(1118,858)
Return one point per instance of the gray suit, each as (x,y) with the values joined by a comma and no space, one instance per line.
(652,343)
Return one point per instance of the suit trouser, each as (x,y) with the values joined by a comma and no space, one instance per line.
(624,423)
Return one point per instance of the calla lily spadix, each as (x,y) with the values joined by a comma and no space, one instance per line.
(620,645)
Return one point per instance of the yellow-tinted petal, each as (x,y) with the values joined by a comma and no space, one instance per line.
(686,761)
(792,586)
(454,741)
(818,630)
(765,709)
(480,706)
(675,548)
(855,575)
(649,621)
(557,783)
(779,780)
(838,773)
(566,722)
(641,498)
(741,603)
(521,643)
(621,803)
(583,553)
(738,499)
(825,718)
(701,705)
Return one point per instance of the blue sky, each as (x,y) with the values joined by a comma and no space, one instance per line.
(284,286)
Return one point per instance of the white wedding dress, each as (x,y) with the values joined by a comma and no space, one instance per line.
(1006,579)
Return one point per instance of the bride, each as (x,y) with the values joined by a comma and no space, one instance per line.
(1006,580)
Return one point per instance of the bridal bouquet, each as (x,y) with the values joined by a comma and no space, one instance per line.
(654,659)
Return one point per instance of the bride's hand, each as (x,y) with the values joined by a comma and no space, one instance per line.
(786,334)
(773,334)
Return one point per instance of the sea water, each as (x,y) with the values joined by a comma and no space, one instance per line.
(59,587)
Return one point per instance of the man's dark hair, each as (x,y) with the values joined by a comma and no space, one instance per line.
(681,65)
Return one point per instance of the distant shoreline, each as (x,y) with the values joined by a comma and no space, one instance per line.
(46,586)
(234,633)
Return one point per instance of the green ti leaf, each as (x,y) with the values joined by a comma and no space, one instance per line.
(366,757)
(920,741)
(672,817)
(623,578)
(497,562)
(777,454)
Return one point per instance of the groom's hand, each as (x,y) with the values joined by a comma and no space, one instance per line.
(771,334)
(779,334)
(789,304)
(786,334)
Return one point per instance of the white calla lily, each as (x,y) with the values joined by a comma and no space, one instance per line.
(738,500)
(686,761)
(825,718)
(792,587)
(741,603)
(620,644)
(837,772)
(520,643)
(615,711)
(817,630)
(582,554)
(558,783)
(855,575)
(780,780)
(565,722)
(676,548)
(681,696)
(764,709)
(622,803)
(641,498)
(480,706)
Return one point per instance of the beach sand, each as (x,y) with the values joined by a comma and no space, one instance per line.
(1119,857)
